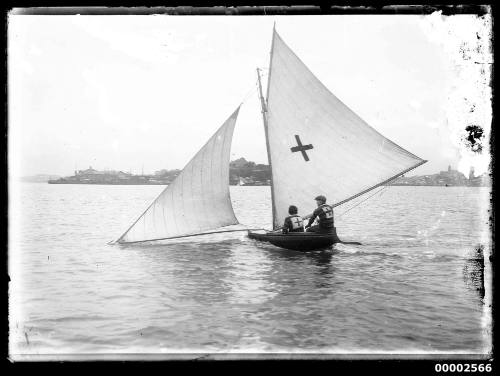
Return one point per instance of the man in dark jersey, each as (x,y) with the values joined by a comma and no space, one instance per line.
(294,222)
(324,213)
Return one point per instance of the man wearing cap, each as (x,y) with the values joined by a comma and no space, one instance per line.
(325,214)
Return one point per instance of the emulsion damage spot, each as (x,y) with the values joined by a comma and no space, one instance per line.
(474,138)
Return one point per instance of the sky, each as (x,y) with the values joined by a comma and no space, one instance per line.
(144,93)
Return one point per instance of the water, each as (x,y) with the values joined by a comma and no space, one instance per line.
(409,288)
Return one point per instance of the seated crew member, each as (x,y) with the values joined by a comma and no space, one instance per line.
(294,222)
(325,214)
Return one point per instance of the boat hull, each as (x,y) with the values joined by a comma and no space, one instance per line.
(297,241)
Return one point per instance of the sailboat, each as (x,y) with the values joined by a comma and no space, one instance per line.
(316,145)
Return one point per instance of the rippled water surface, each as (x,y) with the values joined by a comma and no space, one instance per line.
(409,288)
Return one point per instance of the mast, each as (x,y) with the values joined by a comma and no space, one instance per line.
(264,118)
(263,103)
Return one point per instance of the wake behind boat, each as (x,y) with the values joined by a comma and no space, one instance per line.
(316,145)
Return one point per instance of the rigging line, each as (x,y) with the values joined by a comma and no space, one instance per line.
(249,92)
(359,203)
(367,198)
(352,207)
(379,184)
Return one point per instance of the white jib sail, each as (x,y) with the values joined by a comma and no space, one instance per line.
(198,199)
(318,146)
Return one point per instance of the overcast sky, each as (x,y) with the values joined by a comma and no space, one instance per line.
(133,92)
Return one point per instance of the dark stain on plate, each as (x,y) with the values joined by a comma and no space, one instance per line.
(474,138)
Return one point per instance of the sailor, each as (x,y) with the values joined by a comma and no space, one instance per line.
(325,214)
(294,222)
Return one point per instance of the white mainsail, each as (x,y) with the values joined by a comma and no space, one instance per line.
(198,200)
(317,145)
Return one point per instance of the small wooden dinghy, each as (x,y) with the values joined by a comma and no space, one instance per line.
(297,241)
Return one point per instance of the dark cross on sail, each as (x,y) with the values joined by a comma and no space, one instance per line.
(301,148)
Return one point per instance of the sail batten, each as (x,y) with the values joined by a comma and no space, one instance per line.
(197,200)
(317,144)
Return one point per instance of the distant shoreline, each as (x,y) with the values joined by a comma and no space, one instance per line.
(247,173)
(246,185)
